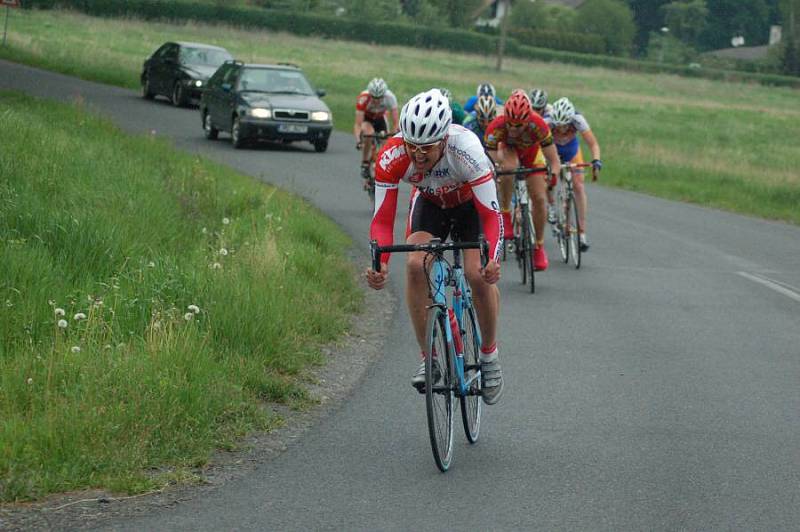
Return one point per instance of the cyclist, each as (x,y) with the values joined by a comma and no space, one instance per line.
(512,140)
(566,123)
(455,107)
(484,89)
(371,107)
(539,102)
(478,120)
(453,189)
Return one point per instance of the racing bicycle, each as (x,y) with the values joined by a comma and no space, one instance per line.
(568,224)
(378,140)
(453,341)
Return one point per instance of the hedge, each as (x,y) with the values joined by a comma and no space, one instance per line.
(389,33)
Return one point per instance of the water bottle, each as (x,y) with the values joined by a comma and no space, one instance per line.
(457,341)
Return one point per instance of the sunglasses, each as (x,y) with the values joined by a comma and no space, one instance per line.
(424,149)
(515,124)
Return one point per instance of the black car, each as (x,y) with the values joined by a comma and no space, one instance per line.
(180,70)
(265,102)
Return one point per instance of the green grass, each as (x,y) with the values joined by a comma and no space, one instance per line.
(726,145)
(132,234)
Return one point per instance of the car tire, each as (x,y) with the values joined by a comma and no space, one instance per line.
(178,95)
(208,127)
(236,135)
(320,145)
(147,92)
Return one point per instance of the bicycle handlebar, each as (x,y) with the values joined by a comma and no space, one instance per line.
(376,136)
(434,246)
(520,172)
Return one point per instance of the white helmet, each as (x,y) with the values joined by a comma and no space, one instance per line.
(376,88)
(485,89)
(425,117)
(538,98)
(563,112)
(485,108)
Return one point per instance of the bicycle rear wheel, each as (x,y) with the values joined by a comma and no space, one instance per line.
(439,395)
(574,225)
(471,402)
(562,226)
(519,249)
(527,257)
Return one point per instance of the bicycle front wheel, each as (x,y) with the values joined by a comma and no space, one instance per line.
(519,246)
(563,227)
(471,401)
(574,225)
(529,232)
(439,391)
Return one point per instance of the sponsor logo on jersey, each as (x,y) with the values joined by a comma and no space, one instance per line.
(441,191)
(465,156)
(390,155)
(442,172)
(416,177)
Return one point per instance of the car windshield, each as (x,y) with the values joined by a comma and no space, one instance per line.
(275,81)
(204,56)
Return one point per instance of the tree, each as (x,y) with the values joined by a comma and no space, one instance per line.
(790,13)
(460,12)
(538,15)
(729,18)
(612,20)
(648,17)
(686,19)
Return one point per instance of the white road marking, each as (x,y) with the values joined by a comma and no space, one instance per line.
(782,288)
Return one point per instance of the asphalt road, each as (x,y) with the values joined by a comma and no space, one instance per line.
(657,388)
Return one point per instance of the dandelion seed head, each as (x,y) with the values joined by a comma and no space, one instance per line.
(225,221)
(79,316)
(75,349)
(51,302)
(194,308)
(59,312)
(62,324)
(188,316)
(30,380)
(151,264)
(205,230)
(216,266)
(223,252)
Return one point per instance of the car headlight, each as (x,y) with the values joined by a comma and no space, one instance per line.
(320,116)
(198,83)
(259,112)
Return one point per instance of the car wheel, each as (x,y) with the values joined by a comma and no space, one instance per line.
(178,95)
(320,145)
(147,93)
(210,131)
(236,134)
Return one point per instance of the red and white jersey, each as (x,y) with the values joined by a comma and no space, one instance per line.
(375,107)
(464,173)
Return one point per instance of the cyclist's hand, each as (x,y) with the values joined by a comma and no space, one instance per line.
(551,183)
(597,165)
(377,280)
(491,273)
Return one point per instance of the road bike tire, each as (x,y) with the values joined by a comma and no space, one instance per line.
(471,403)
(574,234)
(527,222)
(519,250)
(561,227)
(439,394)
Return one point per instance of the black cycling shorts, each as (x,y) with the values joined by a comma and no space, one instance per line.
(379,124)
(462,223)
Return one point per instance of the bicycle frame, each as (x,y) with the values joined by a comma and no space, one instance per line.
(443,275)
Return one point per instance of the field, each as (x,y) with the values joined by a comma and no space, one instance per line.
(725,145)
(128,355)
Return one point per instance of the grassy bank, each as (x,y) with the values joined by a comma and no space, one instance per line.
(149,301)
(720,144)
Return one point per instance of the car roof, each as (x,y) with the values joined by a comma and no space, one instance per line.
(279,66)
(200,45)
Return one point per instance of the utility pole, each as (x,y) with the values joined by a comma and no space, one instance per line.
(501,45)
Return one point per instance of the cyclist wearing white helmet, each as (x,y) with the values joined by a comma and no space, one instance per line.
(371,107)
(453,193)
(455,107)
(566,123)
(539,102)
(478,120)
(484,89)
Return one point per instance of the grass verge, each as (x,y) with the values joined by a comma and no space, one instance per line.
(149,302)
(688,139)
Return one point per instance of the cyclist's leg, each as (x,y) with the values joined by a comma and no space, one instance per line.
(508,161)
(366,149)
(537,189)
(580,191)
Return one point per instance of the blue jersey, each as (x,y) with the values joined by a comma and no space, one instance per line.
(470,105)
(473,125)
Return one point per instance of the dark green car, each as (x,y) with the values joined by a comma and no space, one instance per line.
(180,70)
(265,102)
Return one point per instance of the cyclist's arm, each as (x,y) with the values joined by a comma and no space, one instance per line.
(591,141)
(551,154)
(484,196)
(357,125)
(395,127)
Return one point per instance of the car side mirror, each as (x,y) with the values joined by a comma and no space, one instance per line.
(227,87)
(321,92)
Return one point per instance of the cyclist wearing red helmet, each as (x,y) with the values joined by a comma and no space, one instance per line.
(513,140)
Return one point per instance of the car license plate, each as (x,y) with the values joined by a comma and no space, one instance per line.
(292,128)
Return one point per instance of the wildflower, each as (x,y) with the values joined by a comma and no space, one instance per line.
(225,221)
(194,308)
(60,312)
(79,316)
(223,252)
(188,316)
(62,324)
(216,266)
(30,380)
(75,349)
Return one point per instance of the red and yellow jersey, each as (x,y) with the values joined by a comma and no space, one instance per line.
(535,133)
(374,108)
(464,173)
